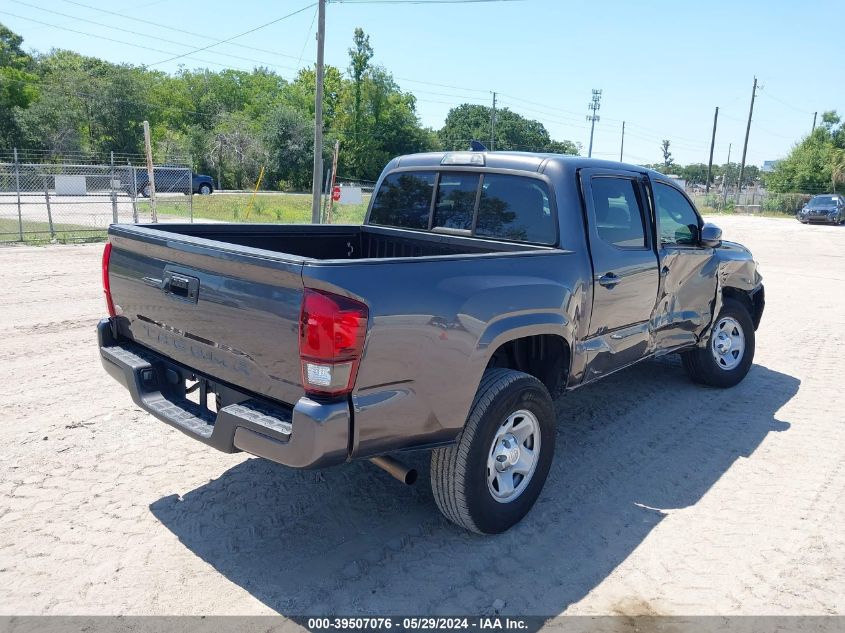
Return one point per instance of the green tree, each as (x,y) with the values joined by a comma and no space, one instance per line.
(288,139)
(813,165)
(469,122)
(667,155)
(359,61)
(18,85)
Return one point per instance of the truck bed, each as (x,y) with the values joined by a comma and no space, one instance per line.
(225,299)
(328,242)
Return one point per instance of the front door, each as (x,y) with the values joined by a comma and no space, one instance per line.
(687,272)
(625,270)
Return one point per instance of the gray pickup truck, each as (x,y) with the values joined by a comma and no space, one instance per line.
(480,286)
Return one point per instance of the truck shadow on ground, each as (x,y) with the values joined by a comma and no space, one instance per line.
(351,540)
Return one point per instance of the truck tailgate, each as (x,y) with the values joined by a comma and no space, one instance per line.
(229,312)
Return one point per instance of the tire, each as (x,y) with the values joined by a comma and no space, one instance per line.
(459,473)
(205,189)
(718,365)
(145,191)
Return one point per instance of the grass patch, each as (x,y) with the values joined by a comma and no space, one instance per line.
(282,208)
(39,232)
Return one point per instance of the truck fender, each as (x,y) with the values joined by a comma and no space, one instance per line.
(514,327)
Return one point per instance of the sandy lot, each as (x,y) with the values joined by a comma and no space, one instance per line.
(665,497)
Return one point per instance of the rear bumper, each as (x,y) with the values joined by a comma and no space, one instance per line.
(310,434)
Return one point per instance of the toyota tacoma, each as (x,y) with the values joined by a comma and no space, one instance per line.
(480,286)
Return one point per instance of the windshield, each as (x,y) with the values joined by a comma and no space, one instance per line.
(822,201)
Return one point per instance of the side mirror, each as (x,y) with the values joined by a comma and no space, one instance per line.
(711,235)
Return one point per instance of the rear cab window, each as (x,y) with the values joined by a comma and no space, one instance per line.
(481,204)
(404,200)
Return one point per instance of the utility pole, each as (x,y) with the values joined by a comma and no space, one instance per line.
(745,145)
(318,115)
(712,143)
(815,114)
(334,178)
(148,150)
(594,105)
(725,179)
(493,124)
(221,140)
(622,146)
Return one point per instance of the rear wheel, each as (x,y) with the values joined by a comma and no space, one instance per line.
(146,191)
(491,478)
(726,359)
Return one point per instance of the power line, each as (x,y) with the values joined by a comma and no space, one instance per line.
(234,37)
(788,105)
(111,39)
(174,29)
(431,83)
(422,1)
(307,37)
(136,33)
(542,105)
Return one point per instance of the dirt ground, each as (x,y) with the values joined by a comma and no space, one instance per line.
(665,498)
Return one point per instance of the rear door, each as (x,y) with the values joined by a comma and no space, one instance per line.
(231,312)
(625,269)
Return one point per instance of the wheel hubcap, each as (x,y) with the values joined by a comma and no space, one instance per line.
(728,343)
(513,456)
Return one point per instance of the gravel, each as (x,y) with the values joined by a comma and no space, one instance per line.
(665,497)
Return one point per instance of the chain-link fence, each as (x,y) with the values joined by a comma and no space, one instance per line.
(751,201)
(75,199)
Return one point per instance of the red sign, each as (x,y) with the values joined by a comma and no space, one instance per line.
(336,193)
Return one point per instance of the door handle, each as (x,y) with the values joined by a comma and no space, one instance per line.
(664,271)
(609,280)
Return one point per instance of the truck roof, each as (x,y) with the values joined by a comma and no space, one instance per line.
(524,161)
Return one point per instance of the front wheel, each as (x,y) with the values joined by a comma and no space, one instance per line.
(491,478)
(726,359)
(205,189)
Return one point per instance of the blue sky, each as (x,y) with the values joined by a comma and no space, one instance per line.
(662,66)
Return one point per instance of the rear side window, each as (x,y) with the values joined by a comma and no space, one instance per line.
(515,208)
(619,219)
(404,200)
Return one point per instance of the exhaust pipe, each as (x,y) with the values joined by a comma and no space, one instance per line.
(396,469)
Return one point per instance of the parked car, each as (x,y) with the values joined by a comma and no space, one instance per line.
(479,286)
(170,180)
(828,208)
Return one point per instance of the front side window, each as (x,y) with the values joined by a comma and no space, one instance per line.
(515,208)
(619,219)
(404,200)
(676,217)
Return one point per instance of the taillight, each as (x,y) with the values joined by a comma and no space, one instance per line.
(332,329)
(106,284)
